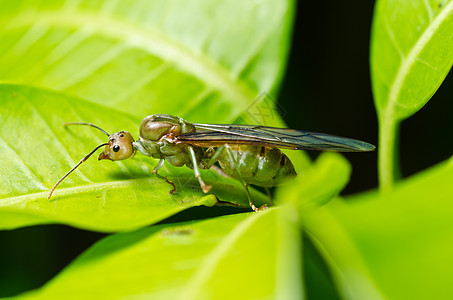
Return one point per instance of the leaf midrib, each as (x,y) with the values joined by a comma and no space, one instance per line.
(71,191)
(153,42)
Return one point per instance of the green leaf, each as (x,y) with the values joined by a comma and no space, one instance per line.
(318,280)
(202,60)
(411,54)
(323,181)
(193,260)
(105,196)
(392,246)
(130,57)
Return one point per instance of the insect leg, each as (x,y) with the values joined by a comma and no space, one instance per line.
(216,155)
(159,165)
(268,193)
(236,166)
(204,187)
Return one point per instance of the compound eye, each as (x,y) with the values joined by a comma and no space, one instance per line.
(116,148)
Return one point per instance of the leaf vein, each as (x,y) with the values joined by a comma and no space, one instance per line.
(428,10)
(21,160)
(393,39)
(71,161)
(153,42)
(427,64)
(142,82)
(88,70)
(406,65)
(68,44)
(10,201)
(18,51)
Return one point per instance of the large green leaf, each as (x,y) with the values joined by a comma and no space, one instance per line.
(129,57)
(242,256)
(107,196)
(393,246)
(203,60)
(411,53)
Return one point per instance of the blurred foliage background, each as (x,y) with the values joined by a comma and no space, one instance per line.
(326,88)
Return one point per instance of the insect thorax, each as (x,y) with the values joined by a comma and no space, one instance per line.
(175,154)
(157,135)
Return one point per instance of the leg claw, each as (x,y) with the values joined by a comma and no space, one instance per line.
(261,208)
(206,188)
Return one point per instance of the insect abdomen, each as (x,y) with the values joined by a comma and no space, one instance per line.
(261,166)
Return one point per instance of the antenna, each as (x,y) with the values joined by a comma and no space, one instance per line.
(87,124)
(80,162)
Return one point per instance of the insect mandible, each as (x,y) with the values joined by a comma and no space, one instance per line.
(248,153)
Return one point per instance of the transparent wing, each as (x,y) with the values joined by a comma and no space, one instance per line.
(211,135)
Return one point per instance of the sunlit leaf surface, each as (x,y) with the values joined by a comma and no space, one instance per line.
(108,196)
(136,58)
(244,256)
(197,59)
